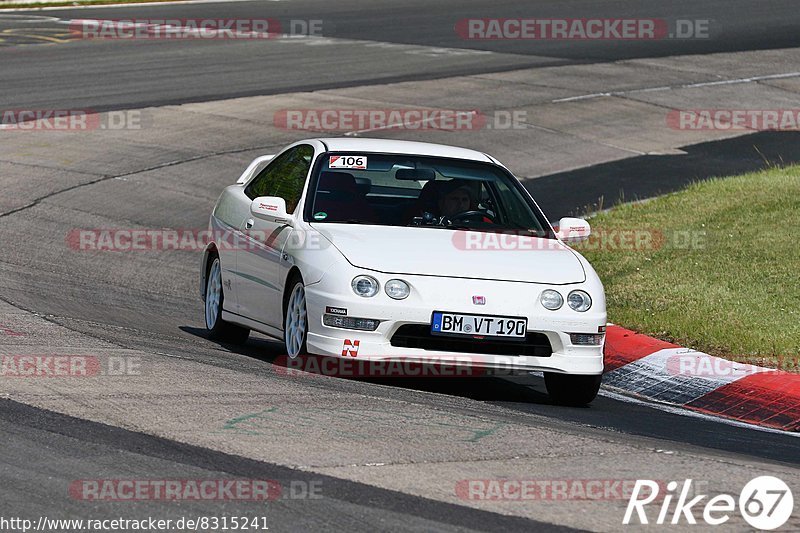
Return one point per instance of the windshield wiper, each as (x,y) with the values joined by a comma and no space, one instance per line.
(434,223)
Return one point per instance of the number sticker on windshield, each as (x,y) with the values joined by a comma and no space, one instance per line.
(348,161)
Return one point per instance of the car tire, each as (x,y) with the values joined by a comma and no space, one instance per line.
(572,390)
(218,329)
(295,318)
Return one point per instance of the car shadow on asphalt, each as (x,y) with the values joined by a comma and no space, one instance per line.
(485,388)
(258,346)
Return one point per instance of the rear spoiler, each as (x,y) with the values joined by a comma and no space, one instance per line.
(252,167)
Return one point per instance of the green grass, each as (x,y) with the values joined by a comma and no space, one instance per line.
(735,291)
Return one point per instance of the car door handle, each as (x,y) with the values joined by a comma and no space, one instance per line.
(249,223)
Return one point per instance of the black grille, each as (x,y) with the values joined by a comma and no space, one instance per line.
(419,336)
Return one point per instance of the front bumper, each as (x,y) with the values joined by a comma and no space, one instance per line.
(430,294)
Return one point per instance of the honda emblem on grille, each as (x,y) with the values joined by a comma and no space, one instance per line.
(479,300)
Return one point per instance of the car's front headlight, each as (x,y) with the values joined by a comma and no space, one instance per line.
(365,286)
(551,299)
(579,301)
(397,289)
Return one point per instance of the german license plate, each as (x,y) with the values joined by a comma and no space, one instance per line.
(478,325)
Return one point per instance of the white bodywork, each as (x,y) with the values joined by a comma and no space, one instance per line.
(441,276)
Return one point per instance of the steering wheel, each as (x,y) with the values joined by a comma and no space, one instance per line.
(466,215)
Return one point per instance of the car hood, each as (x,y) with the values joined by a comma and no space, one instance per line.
(455,253)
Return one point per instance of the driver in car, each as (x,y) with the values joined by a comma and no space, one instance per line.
(457,197)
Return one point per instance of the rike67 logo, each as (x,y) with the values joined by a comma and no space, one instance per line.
(765,502)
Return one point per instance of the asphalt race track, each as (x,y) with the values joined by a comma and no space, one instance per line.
(387,454)
(92,74)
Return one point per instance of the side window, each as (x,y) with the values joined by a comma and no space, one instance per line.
(284,177)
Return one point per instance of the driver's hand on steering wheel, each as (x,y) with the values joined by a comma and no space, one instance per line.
(470,214)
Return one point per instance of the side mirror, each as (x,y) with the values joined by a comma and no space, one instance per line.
(271,208)
(573,229)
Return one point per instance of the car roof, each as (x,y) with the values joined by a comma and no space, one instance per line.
(390,146)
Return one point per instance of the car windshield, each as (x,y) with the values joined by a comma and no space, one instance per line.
(412,190)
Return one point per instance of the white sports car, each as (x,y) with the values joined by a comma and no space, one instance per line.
(389,250)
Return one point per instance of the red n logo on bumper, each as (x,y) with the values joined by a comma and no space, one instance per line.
(350,348)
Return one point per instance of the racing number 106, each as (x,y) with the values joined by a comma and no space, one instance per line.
(353,161)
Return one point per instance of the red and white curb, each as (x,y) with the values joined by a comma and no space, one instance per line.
(645,368)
